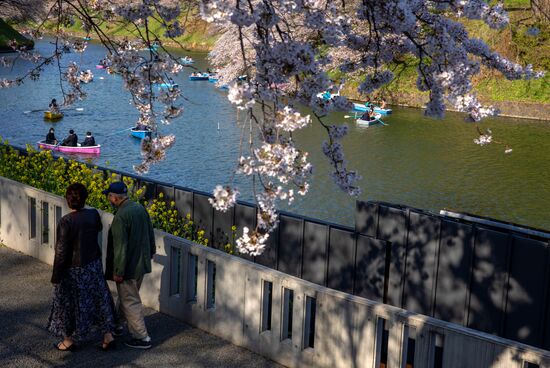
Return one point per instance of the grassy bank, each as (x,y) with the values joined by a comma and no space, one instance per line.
(7,33)
(515,98)
(197,35)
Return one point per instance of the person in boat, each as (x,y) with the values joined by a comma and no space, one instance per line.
(365,116)
(368,115)
(50,137)
(142,127)
(382,104)
(54,108)
(371,112)
(71,140)
(89,140)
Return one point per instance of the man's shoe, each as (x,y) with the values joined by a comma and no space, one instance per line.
(119,330)
(138,344)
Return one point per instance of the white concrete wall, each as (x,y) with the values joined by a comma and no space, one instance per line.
(347,328)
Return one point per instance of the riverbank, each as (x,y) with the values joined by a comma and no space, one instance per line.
(514,109)
(7,34)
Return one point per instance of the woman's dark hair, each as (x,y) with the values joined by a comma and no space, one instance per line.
(76,195)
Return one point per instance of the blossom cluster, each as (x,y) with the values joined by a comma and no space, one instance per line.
(153,150)
(224,198)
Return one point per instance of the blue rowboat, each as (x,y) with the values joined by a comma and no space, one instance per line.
(87,38)
(326,95)
(213,79)
(166,85)
(365,106)
(141,134)
(186,60)
(374,120)
(200,76)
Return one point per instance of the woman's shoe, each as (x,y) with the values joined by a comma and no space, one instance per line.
(62,347)
(107,346)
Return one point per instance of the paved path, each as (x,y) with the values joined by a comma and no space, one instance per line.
(25,295)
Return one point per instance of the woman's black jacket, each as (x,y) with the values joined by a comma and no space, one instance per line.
(76,244)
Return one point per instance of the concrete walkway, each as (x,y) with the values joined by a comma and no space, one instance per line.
(25,296)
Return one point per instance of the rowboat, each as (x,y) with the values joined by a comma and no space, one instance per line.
(199,76)
(186,60)
(66,149)
(87,38)
(375,120)
(53,116)
(140,133)
(166,85)
(86,76)
(326,95)
(99,66)
(213,78)
(154,47)
(364,107)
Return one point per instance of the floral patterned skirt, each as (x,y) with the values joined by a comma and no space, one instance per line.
(82,304)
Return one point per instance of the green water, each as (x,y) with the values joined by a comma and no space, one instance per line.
(434,164)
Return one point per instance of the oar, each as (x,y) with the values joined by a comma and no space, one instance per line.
(38,110)
(76,109)
(29,111)
(120,131)
(349,116)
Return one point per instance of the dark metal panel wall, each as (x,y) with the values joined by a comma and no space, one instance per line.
(222,233)
(485,312)
(370,268)
(315,252)
(245,216)
(341,261)
(149,189)
(269,257)
(290,245)
(203,214)
(167,191)
(526,300)
(454,272)
(422,253)
(184,202)
(392,227)
(366,218)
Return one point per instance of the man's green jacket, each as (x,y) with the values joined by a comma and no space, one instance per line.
(131,242)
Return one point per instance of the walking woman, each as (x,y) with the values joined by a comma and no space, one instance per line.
(82,304)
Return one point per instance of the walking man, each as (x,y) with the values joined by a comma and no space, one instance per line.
(130,248)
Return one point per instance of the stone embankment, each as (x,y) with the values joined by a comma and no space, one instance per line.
(525,110)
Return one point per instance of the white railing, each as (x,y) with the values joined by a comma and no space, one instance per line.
(289,320)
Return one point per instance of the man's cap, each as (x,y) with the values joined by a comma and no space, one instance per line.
(117,187)
(71,131)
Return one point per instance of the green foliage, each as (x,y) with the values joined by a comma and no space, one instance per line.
(7,33)
(511,4)
(165,216)
(41,170)
(195,36)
